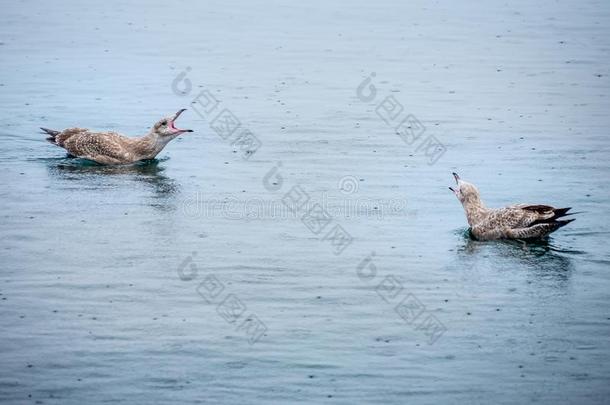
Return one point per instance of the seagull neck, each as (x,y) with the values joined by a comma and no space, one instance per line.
(475,210)
(149,145)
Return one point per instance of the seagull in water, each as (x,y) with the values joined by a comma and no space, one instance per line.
(111,148)
(521,221)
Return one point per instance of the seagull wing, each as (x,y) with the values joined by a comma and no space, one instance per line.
(523,221)
(106,147)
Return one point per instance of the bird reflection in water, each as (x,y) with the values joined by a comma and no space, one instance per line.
(96,176)
(541,259)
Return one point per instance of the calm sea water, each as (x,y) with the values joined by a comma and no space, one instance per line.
(194,278)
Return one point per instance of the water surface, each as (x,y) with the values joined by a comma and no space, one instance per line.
(102,267)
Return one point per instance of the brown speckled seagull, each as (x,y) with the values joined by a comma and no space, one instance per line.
(111,148)
(521,221)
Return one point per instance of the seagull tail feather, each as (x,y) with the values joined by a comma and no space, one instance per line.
(564,222)
(561,212)
(53,133)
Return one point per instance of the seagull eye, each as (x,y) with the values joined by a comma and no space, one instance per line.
(163,123)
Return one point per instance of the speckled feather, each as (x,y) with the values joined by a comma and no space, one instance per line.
(521,221)
(102,147)
(112,148)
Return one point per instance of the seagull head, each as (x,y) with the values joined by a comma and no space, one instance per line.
(166,127)
(464,191)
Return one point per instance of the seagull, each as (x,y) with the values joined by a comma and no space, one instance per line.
(111,148)
(521,221)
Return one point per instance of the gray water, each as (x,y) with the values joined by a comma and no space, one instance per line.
(115,281)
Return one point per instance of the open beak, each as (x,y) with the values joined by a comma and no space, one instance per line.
(175,129)
(457,180)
